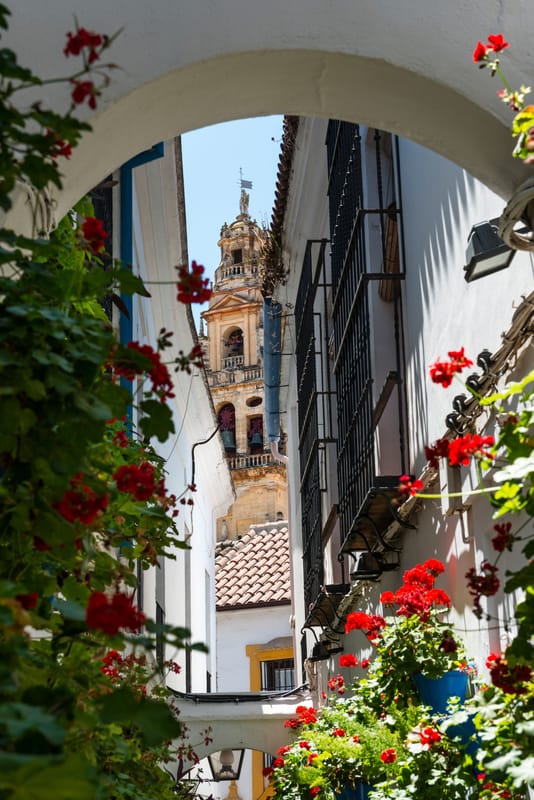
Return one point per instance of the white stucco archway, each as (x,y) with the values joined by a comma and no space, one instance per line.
(404,67)
(250,723)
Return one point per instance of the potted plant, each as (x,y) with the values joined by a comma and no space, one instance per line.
(415,645)
(430,765)
(343,748)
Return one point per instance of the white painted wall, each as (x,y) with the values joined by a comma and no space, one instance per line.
(189,585)
(184,66)
(235,630)
(440,203)
(442,312)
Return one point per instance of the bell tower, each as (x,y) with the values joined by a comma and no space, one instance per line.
(232,338)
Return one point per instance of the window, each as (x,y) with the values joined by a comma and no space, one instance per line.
(278,675)
(226,418)
(237,256)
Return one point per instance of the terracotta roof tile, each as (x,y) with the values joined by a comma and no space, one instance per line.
(254,570)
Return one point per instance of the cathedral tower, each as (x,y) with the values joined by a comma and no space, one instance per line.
(233,344)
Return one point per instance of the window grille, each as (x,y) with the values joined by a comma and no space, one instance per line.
(278,675)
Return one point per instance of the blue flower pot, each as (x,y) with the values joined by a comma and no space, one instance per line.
(464,731)
(358,792)
(435,692)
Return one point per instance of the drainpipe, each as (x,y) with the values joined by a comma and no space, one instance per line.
(272,325)
(126,230)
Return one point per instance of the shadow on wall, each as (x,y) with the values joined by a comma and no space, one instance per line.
(438,200)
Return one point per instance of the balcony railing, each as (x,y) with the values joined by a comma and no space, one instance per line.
(248,461)
(231,362)
(236,375)
(235,271)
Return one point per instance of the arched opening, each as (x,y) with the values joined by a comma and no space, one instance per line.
(332,85)
(233,344)
(255,434)
(226,417)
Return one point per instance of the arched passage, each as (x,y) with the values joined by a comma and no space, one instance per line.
(258,726)
(400,67)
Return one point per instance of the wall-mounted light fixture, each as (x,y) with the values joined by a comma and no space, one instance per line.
(226,764)
(486,252)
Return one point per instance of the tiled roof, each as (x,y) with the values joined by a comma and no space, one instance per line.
(254,570)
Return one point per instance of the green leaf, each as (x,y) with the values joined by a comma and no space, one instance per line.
(74,779)
(158,420)
(514,387)
(154,718)
(70,609)
(92,406)
(18,719)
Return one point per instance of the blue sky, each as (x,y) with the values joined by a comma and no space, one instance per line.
(212,159)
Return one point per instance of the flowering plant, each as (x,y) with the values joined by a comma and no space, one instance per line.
(486,55)
(343,743)
(415,639)
(80,484)
(398,748)
(503,711)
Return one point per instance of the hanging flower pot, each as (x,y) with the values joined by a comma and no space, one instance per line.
(358,792)
(435,692)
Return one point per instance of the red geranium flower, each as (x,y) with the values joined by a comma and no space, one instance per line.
(429,736)
(448,644)
(388,756)
(480,52)
(504,539)
(192,287)
(484,585)
(94,233)
(110,616)
(138,481)
(348,660)
(509,679)
(496,42)
(387,598)
(314,791)
(159,374)
(372,624)
(463,447)
(409,487)
(60,147)
(434,566)
(440,449)
(338,732)
(80,503)
(84,90)
(83,38)
(278,763)
(444,371)
(437,597)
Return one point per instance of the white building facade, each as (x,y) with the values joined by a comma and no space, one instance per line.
(371,298)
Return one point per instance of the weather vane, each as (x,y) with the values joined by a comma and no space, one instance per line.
(244,184)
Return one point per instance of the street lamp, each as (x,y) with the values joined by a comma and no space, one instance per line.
(226,764)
